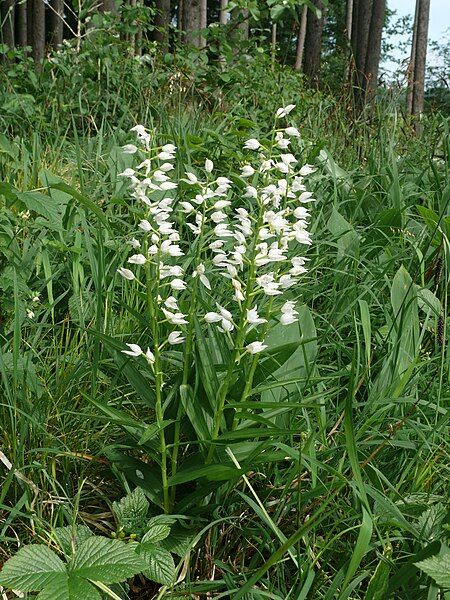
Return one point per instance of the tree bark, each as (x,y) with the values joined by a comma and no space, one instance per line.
(22,28)
(29,4)
(410,74)
(162,23)
(423,16)
(191,22)
(7,21)
(38,8)
(301,40)
(374,48)
(223,12)
(108,6)
(313,45)
(57,22)
(203,20)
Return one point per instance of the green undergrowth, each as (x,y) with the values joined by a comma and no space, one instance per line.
(349,489)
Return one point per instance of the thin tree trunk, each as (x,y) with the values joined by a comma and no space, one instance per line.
(349,35)
(29,4)
(223,12)
(162,23)
(301,40)
(38,32)
(57,22)
(22,28)
(180,20)
(313,45)
(374,47)
(410,74)
(138,38)
(423,16)
(273,52)
(7,21)
(203,20)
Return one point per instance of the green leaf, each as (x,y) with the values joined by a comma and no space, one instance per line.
(131,511)
(438,568)
(32,568)
(156,532)
(105,560)
(86,203)
(74,588)
(43,205)
(160,566)
(68,536)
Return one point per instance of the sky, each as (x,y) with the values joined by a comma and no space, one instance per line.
(439,22)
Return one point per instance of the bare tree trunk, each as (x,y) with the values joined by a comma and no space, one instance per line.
(223,12)
(138,38)
(313,45)
(364,19)
(162,23)
(349,35)
(38,32)
(203,20)
(418,95)
(22,28)
(301,40)
(29,4)
(191,22)
(273,51)
(7,22)
(57,22)
(374,47)
(243,26)
(410,73)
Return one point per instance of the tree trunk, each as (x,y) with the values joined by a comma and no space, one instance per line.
(191,22)
(423,16)
(38,9)
(313,45)
(7,21)
(57,22)
(349,35)
(273,51)
(223,12)
(162,23)
(364,19)
(203,20)
(410,74)
(301,40)
(22,28)
(374,47)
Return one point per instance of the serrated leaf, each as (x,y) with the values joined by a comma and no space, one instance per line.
(438,568)
(105,560)
(32,568)
(74,588)
(155,532)
(42,205)
(131,511)
(160,566)
(66,536)
(179,541)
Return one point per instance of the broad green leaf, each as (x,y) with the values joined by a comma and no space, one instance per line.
(32,568)
(160,566)
(73,588)
(43,205)
(211,472)
(85,202)
(428,301)
(155,532)
(438,568)
(179,540)
(69,536)
(105,560)
(131,511)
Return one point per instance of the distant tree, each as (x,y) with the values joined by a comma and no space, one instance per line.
(7,22)
(374,48)
(419,57)
(56,22)
(313,43)
(162,23)
(191,22)
(300,48)
(38,39)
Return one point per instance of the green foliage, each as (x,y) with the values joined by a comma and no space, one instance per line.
(438,568)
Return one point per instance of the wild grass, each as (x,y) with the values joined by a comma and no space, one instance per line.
(353,486)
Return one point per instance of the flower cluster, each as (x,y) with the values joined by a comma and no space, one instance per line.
(248,233)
